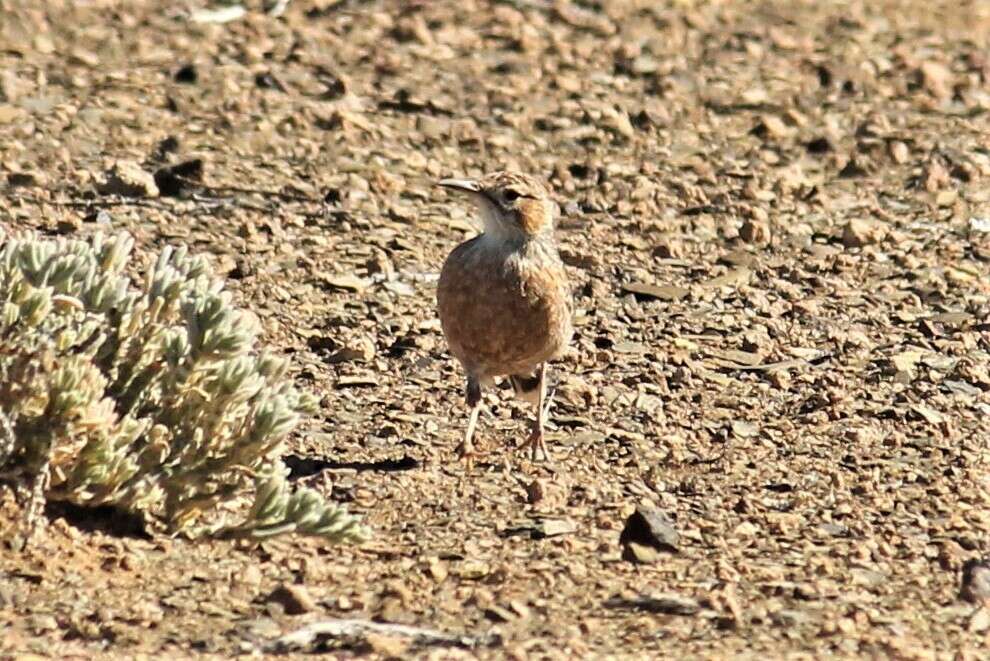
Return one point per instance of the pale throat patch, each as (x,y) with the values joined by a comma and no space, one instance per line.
(491,220)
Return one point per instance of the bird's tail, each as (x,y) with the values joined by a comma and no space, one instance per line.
(526,387)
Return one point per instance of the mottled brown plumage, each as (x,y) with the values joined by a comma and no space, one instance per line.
(503,296)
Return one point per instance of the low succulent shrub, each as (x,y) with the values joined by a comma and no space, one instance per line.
(151,398)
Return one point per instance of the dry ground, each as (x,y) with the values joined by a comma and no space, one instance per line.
(777,218)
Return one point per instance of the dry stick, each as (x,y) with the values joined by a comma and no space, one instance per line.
(212,201)
(341,628)
(113,202)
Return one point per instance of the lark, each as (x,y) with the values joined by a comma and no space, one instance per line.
(503,297)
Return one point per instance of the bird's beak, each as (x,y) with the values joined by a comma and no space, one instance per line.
(465,185)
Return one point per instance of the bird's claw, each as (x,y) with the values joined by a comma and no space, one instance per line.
(466,454)
(537,446)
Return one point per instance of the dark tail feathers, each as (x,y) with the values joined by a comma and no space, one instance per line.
(526,386)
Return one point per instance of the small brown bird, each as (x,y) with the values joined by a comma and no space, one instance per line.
(503,296)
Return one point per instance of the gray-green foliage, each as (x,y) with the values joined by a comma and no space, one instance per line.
(150,398)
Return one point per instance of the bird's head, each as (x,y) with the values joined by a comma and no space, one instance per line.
(513,206)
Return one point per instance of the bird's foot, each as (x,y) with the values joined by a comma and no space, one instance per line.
(537,446)
(467,454)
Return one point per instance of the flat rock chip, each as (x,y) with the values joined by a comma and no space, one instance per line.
(667,603)
(652,528)
(293,598)
(641,553)
(860,232)
(553,527)
(646,291)
(126,178)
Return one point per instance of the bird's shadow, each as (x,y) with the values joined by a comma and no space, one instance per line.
(300,466)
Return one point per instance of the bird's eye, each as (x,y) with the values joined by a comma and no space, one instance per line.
(511,196)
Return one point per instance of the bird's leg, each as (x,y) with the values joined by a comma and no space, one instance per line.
(473,397)
(536,442)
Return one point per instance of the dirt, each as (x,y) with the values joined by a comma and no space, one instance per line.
(776,216)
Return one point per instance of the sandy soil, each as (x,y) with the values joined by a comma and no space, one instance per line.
(776,216)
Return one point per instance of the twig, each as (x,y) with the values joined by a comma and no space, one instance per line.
(210,203)
(309,635)
(95,202)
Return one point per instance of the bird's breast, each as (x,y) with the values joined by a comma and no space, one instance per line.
(504,311)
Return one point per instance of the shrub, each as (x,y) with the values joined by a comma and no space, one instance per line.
(151,399)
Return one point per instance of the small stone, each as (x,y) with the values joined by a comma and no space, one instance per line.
(262,627)
(946,198)
(357,381)
(250,576)
(473,569)
(126,178)
(771,126)
(856,165)
(906,361)
(647,291)
(640,553)
(744,429)
(899,152)
(746,529)
(617,120)
(68,225)
(576,391)
(630,347)
(739,258)
(935,176)
(10,113)
(979,224)
(42,623)
(648,527)
(433,127)
(361,350)
(497,613)
(980,621)
(861,232)
(437,569)
(521,609)
(389,647)
(553,528)
(788,618)
(343,281)
(975,581)
(535,492)
(667,603)
(937,79)
(755,231)
(293,598)
(100,217)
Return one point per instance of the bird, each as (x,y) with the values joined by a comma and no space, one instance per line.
(503,297)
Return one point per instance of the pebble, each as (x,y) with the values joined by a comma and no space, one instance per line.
(975,586)
(126,178)
(647,533)
(295,599)
(860,232)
